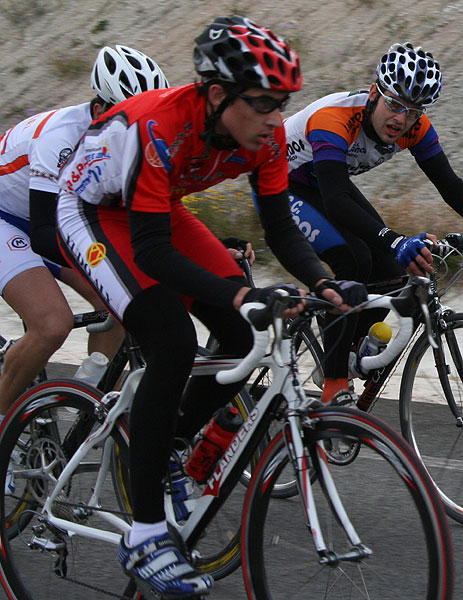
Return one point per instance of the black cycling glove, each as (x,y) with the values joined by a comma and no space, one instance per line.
(353,293)
(234,242)
(263,294)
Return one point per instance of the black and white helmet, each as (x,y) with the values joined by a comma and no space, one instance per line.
(410,73)
(123,72)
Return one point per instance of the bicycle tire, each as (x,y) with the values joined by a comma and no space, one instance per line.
(389,499)
(427,422)
(30,572)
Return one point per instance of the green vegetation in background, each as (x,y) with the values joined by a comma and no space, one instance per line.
(230,212)
(70,66)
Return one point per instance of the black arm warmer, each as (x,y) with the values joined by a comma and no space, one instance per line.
(156,256)
(287,242)
(342,206)
(447,182)
(42,208)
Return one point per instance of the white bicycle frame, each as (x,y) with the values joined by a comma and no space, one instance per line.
(285,382)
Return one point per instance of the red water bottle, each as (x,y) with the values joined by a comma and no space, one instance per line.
(215,439)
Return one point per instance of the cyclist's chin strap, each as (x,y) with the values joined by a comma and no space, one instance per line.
(219,141)
(367,125)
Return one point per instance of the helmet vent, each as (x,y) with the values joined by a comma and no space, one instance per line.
(110,63)
(274,80)
(142,82)
(134,62)
(268,60)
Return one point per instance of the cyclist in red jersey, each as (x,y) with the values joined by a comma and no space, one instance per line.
(346,134)
(122,224)
(31,153)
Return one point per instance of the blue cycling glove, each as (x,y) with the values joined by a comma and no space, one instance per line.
(407,249)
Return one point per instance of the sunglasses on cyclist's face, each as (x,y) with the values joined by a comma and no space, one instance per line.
(265,104)
(397,107)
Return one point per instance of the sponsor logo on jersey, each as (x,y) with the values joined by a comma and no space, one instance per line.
(63,156)
(354,123)
(90,159)
(18,242)
(307,228)
(293,148)
(95,254)
(152,156)
(158,150)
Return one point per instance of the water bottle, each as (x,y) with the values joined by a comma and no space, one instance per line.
(215,439)
(375,342)
(92,368)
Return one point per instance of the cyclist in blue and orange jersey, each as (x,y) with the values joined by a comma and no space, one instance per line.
(346,134)
(121,196)
(31,154)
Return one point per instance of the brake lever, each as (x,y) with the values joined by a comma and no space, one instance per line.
(279,306)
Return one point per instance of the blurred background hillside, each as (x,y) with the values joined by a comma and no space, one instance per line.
(49,47)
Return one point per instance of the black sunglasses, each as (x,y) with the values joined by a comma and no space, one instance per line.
(265,104)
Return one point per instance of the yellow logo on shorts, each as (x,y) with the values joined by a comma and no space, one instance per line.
(95,254)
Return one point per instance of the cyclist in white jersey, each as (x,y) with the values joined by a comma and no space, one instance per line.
(31,154)
(345,134)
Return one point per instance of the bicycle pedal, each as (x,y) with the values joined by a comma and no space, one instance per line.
(344,398)
(148,592)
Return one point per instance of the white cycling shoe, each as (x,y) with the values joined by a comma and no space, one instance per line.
(10,483)
(158,565)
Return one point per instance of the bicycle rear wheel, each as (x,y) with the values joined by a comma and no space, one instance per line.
(38,560)
(432,383)
(390,501)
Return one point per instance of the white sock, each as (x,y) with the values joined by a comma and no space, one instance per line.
(142,531)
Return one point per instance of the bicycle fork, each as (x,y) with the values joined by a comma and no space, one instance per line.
(303,465)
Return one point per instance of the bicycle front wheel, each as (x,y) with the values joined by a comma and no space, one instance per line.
(431,409)
(39,560)
(404,549)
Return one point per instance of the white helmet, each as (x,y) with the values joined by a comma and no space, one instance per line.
(123,72)
(410,73)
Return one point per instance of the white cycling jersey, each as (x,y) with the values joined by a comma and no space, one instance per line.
(32,152)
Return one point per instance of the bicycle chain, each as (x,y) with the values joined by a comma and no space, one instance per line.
(119,513)
(98,589)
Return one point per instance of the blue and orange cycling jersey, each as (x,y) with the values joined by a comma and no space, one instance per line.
(331,129)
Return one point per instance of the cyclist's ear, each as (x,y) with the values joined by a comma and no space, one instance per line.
(373,93)
(215,95)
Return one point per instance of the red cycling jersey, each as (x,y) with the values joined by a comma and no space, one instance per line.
(144,162)
(139,159)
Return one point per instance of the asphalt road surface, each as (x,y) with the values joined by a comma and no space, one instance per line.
(66,361)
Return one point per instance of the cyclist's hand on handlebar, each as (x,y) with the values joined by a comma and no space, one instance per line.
(413,254)
(344,294)
(239,249)
(296,302)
